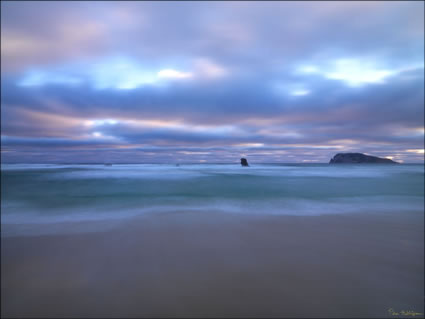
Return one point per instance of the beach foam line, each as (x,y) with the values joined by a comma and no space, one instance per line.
(295,207)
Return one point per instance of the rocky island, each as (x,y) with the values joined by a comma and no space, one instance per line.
(354,158)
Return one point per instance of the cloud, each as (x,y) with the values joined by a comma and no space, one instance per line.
(274,79)
(173,74)
(357,73)
(39,33)
(206,68)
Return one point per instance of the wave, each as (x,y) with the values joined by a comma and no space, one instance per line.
(185,171)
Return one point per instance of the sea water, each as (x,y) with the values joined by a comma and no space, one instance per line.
(34,194)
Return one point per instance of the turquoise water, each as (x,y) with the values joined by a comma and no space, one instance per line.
(47,193)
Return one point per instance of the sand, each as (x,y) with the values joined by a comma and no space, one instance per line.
(220,265)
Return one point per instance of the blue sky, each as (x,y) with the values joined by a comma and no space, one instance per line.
(211,81)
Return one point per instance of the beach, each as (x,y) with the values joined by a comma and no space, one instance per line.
(212,241)
(220,265)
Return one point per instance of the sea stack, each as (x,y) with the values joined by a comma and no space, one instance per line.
(359,158)
(244,162)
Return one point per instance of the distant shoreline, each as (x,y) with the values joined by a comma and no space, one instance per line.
(209,163)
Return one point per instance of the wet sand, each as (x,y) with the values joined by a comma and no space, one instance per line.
(220,265)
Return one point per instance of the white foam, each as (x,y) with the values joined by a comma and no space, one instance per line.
(253,207)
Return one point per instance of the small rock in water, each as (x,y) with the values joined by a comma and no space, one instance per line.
(244,162)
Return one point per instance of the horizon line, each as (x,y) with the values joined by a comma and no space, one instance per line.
(187,163)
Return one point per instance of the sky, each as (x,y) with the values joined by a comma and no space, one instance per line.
(210,82)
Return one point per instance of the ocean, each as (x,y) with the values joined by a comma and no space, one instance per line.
(34,194)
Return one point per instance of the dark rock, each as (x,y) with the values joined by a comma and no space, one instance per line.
(244,162)
(347,158)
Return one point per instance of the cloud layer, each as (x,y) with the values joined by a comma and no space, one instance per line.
(211,81)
